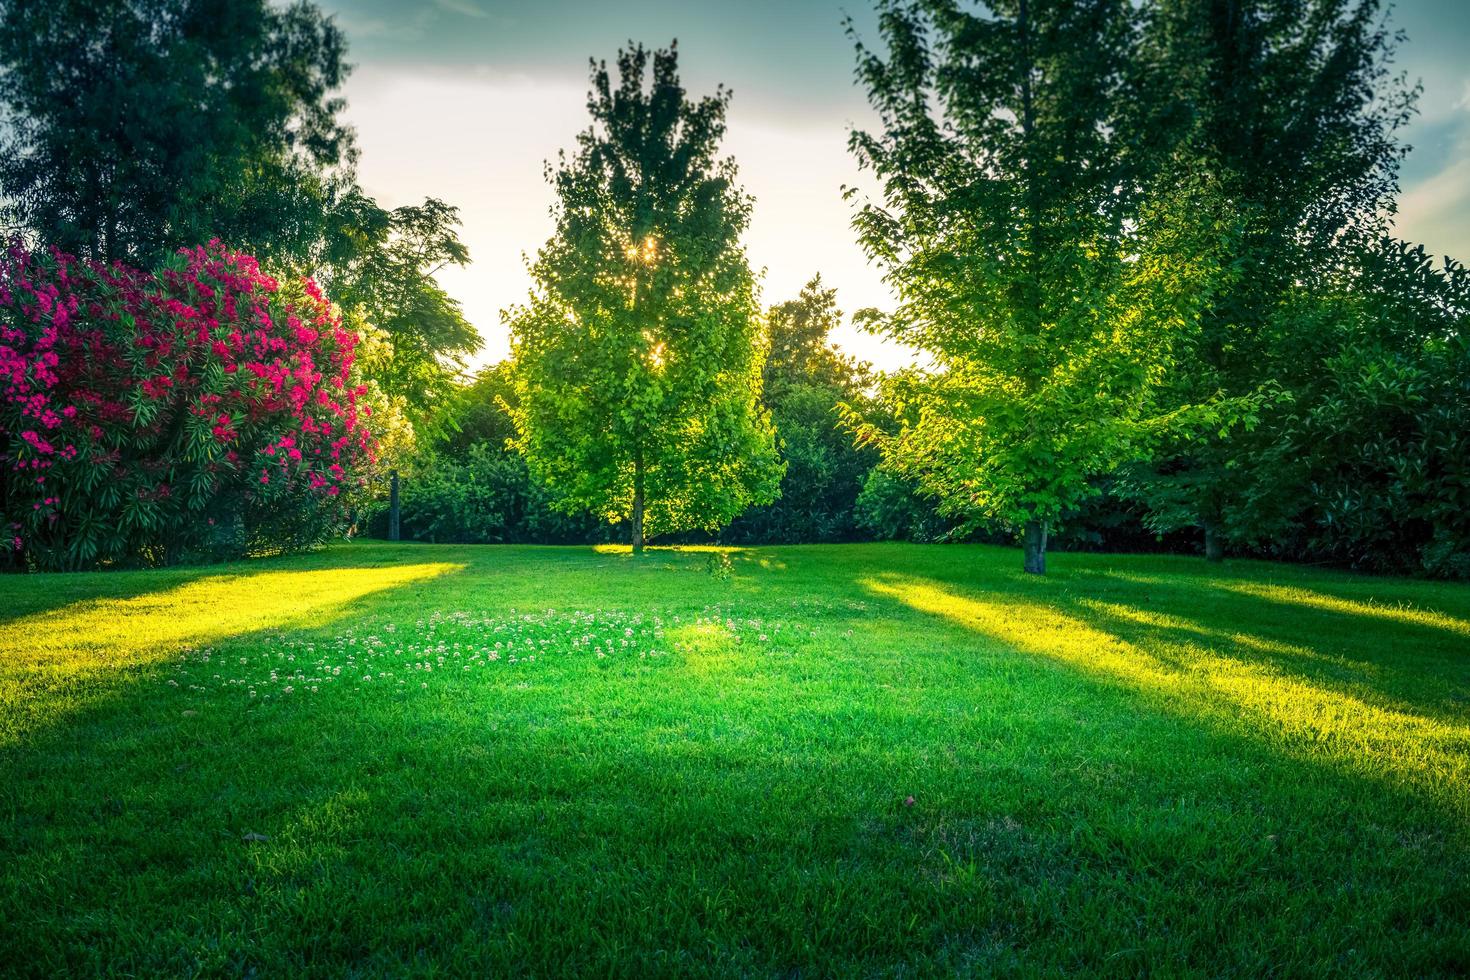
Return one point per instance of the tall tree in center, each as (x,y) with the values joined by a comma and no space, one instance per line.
(638,356)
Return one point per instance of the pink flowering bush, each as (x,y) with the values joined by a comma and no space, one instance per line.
(202,411)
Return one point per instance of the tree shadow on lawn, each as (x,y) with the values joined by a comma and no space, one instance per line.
(643,820)
(1384,700)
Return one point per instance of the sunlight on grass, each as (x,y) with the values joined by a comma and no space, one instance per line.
(707,648)
(1432,754)
(146,628)
(49,660)
(1330,603)
(1157,620)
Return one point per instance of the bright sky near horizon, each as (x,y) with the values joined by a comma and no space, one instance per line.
(465,100)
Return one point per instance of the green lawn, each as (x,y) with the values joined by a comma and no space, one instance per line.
(892,760)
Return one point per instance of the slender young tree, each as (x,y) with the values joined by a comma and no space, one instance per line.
(638,356)
(1006,162)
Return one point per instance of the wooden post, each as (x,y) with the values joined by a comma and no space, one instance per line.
(393,505)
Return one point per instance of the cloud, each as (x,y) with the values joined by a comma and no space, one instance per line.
(1435,211)
(465,8)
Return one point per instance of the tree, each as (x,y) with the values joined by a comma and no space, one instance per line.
(136,127)
(139,127)
(1006,168)
(807,381)
(1276,122)
(638,356)
(387,283)
(802,352)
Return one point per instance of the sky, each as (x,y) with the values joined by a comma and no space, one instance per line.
(465,100)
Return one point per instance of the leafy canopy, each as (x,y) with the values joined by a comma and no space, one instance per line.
(638,357)
(1006,164)
(139,126)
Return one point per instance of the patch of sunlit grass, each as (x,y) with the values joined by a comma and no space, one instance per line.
(1200,681)
(138,629)
(48,659)
(1309,599)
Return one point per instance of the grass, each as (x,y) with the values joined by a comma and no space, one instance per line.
(846,760)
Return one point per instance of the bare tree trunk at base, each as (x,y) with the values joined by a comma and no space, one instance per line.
(1214,547)
(638,506)
(1034,548)
(393,506)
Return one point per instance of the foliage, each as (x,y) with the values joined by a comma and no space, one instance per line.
(1290,109)
(806,381)
(482,412)
(1366,464)
(388,282)
(200,412)
(890,508)
(801,350)
(464,484)
(1005,166)
(638,357)
(138,126)
(486,495)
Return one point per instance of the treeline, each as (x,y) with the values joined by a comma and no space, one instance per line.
(1144,247)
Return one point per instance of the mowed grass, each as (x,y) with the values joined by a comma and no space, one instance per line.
(849,760)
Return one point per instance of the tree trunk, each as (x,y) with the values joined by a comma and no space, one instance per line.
(1034,555)
(393,506)
(638,505)
(1214,546)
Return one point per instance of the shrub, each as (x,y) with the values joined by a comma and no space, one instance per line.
(200,412)
(891,510)
(487,495)
(1367,463)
